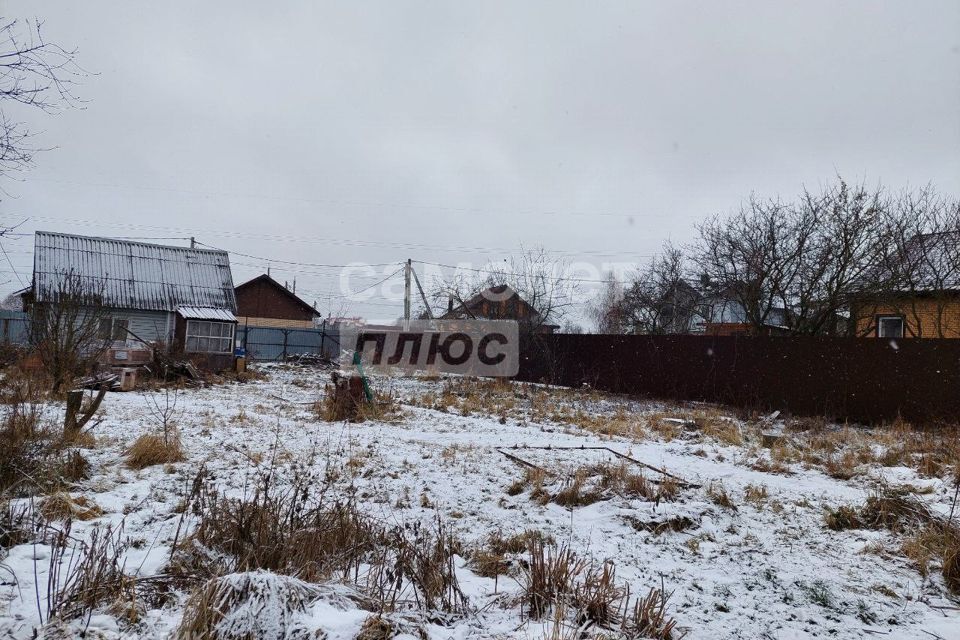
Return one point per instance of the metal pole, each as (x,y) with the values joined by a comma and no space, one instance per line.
(406,292)
(323,336)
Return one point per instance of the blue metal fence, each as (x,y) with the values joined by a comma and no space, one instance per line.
(268,343)
(14,327)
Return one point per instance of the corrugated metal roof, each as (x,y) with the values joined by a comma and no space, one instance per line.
(133,275)
(206,313)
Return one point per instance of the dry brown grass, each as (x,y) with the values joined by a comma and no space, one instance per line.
(593,483)
(718,495)
(928,538)
(152,449)
(280,530)
(550,576)
(90,575)
(951,563)
(62,506)
(376,627)
(557,583)
(294,529)
(756,494)
(493,557)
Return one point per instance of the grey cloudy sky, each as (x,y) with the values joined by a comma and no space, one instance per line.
(452,132)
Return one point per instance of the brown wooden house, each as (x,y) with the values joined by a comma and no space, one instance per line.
(264,302)
(499,303)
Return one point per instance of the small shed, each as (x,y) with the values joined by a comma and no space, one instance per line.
(176,298)
(264,302)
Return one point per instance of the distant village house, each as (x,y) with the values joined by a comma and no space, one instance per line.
(148,295)
(264,302)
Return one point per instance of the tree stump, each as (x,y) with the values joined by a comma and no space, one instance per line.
(77,417)
(348,398)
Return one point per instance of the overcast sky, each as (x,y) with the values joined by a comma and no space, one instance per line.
(452,132)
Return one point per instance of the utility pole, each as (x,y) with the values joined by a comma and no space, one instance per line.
(407,270)
(423,296)
(193,242)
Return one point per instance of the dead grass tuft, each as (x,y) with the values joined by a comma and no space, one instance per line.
(152,449)
(718,495)
(376,627)
(244,606)
(62,506)
(556,583)
(929,538)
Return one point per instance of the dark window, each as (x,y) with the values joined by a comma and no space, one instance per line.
(113,329)
(890,327)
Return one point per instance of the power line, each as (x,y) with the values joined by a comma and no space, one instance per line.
(507,273)
(10,262)
(299,264)
(513,211)
(326,240)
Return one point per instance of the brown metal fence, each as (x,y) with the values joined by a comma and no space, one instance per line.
(860,380)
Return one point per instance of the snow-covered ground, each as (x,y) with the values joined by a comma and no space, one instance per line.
(765,567)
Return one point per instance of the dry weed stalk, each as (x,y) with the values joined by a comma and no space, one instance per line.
(91,576)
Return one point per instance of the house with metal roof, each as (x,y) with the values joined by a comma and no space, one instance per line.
(179,298)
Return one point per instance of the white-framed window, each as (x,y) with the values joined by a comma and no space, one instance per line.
(113,329)
(209,336)
(889,326)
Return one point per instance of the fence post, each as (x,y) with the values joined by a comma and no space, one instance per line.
(286,332)
(323,337)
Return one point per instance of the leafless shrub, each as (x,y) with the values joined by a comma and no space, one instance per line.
(65,328)
(162,408)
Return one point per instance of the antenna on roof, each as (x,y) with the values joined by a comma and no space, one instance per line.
(268,270)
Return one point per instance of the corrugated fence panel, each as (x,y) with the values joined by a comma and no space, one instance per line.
(14,327)
(267,343)
(862,380)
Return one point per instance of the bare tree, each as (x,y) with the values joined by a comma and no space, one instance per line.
(839,257)
(660,300)
(919,275)
(66,329)
(536,278)
(36,74)
(162,405)
(607,307)
(752,258)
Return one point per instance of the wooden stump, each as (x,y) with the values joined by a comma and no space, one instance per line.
(78,416)
(348,398)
